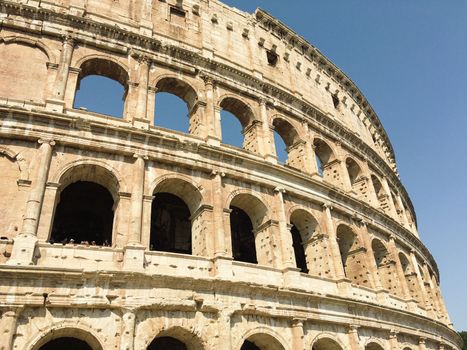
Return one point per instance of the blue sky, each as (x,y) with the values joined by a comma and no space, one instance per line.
(409,58)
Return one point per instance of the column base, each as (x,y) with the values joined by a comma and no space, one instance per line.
(291,277)
(213,141)
(25,251)
(139,123)
(53,105)
(133,258)
(223,267)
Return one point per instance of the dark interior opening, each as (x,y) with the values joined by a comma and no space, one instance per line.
(66,343)
(167,343)
(170,224)
(175,11)
(243,238)
(84,215)
(272,57)
(248,345)
(335,100)
(300,257)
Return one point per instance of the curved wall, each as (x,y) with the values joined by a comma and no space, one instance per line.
(368,281)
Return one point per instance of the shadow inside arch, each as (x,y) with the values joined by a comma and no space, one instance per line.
(68,338)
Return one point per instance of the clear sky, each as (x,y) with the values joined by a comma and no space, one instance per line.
(409,58)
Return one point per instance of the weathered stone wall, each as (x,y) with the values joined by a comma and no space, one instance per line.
(383,293)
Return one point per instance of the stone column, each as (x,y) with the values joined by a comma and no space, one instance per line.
(297,334)
(25,243)
(218,215)
(212,117)
(393,342)
(151,104)
(345,172)
(127,340)
(142,100)
(134,250)
(370,257)
(421,343)
(285,240)
(267,143)
(311,166)
(432,291)
(61,79)
(399,270)
(8,322)
(372,197)
(420,282)
(146,24)
(354,339)
(405,222)
(224,331)
(336,260)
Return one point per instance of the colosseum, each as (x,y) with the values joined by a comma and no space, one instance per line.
(117,233)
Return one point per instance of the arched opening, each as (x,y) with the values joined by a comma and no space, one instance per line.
(299,250)
(352,256)
(66,343)
(287,144)
(248,213)
(373,346)
(167,343)
(84,215)
(261,341)
(102,87)
(175,106)
(410,277)
(354,172)
(381,196)
(24,67)
(326,344)
(385,266)
(324,161)
(170,224)
(311,258)
(232,107)
(243,238)
(232,129)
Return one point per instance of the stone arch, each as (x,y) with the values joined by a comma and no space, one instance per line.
(103,66)
(33,43)
(181,186)
(79,330)
(86,204)
(290,135)
(96,56)
(251,202)
(177,86)
(326,163)
(355,172)
(410,276)
(116,184)
(381,196)
(264,338)
(353,255)
(374,344)
(21,163)
(25,63)
(238,107)
(326,341)
(191,340)
(313,246)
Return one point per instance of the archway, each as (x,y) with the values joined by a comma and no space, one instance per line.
(287,143)
(85,214)
(66,343)
(167,343)
(324,161)
(326,344)
(102,87)
(261,341)
(373,346)
(170,224)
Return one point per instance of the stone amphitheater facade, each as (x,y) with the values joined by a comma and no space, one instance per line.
(320,253)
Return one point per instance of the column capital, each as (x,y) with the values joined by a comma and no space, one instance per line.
(393,334)
(280,190)
(327,206)
(69,40)
(215,173)
(298,322)
(140,156)
(353,328)
(49,142)
(421,340)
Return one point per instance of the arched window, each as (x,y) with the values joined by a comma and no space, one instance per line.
(84,215)
(24,67)
(386,267)
(261,341)
(66,343)
(353,256)
(175,106)
(174,203)
(166,343)
(170,224)
(324,159)
(232,129)
(380,194)
(247,215)
(308,247)
(243,238)
(326,344)
(288,148)
(373,346)
(410,277)
(102,87)
(355,174)
(243,113)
